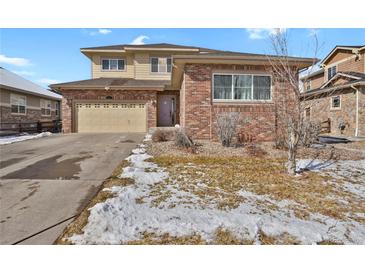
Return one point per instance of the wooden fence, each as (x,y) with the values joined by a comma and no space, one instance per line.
(53,126)
(326,126)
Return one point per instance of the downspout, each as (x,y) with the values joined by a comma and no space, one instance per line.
(357,111)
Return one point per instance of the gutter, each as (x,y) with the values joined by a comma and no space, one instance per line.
(357,111)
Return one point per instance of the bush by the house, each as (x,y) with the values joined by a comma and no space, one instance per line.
(311,132)
(183,140)
(255,151)
(226,126)
(161,135)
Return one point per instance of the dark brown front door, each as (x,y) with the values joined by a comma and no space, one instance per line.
(166,110)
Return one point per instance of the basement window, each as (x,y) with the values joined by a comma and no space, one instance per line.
(336,102)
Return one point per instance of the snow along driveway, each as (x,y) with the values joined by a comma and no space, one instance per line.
(19,138)
(123,219)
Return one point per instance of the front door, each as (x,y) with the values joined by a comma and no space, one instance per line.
(166,110)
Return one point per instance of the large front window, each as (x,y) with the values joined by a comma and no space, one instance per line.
(18,104)
(244,87)
(161,64)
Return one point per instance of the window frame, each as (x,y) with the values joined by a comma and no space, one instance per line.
(232,100)
(158,65)
(46,108)
(13,95)
(117,59)
(330,68)
(331,102)
(57,109)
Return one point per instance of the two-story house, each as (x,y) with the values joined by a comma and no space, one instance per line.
(336,92)
(137,87)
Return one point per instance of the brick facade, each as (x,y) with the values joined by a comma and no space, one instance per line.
(32,116)
(69,97)
(320,110)
(198,111)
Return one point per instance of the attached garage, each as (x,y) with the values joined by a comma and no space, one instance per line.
(109,104)
(110,117)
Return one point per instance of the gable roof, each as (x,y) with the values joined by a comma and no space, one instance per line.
(173,47)
(349,74)
(361,47)
(12,81)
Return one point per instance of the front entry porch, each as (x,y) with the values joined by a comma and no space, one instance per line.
(167,110)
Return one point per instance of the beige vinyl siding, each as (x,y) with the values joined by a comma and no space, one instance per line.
(143,67)
(31,100)
(97,72)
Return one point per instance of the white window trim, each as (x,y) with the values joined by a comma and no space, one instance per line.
(241,100)
(113,70)
(331,101)
(12,95)
(50,107)
(158,65)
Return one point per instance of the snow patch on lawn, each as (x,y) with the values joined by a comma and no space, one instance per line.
(19,138)
(351,173)
(123,219)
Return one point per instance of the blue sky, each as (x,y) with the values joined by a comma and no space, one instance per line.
(48,56)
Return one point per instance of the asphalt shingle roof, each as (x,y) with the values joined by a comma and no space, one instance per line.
(116,82)
(14,81)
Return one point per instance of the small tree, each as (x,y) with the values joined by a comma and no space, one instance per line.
(291,123)
(226,126)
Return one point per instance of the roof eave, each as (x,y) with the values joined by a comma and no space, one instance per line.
(105,87)
(31,92)
(311,94)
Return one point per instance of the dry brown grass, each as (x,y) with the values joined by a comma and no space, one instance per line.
(167,239)
(283,239)
(226,237)
(81,220)
(221,178)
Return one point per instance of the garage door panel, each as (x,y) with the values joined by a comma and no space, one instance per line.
(111,117)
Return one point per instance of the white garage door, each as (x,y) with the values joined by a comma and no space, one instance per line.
(111,117)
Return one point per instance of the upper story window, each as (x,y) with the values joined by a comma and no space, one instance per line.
(161,64)
(331,72)
(244,87)
(18,104)
(113,64)
(58,108)
(336,102)
(45,107)
(309,85)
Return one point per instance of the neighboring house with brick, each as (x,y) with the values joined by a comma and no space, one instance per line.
(336,92)
(137,87)
(24,102)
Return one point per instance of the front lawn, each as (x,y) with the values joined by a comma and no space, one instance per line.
(225,198)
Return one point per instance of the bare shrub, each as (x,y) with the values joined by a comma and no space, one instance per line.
(245,138)
(226,126)
(311,131)
(183,140)
(161,135)
(255,151)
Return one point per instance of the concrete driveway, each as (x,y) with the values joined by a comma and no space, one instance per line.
(45,182)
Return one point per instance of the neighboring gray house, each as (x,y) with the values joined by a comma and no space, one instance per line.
(24,102)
